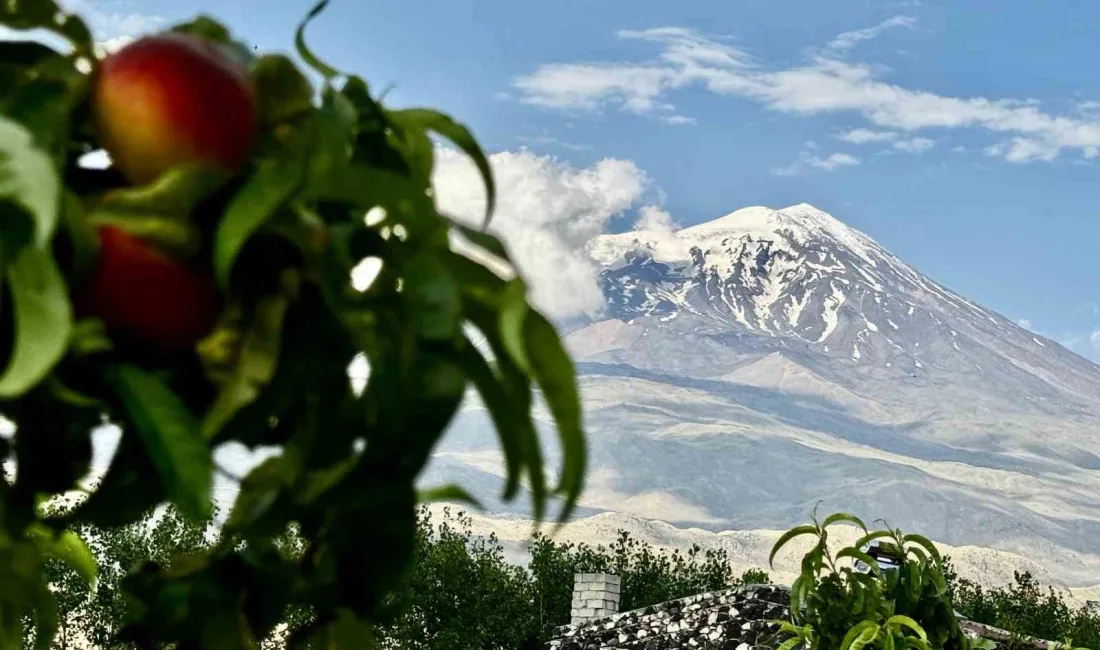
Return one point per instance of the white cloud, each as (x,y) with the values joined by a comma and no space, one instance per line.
(654,218)
(848,40)
(914,145)
(834,161)
(547,210)
(822,86)
(1094,340)
(862,136)
(909,145)
(808,160)
(1024,323)
(678,119)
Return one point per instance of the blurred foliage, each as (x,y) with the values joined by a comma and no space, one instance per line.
(87,336)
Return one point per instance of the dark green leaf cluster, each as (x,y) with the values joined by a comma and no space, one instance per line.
(1025,608)
(460,592)
(835,606)
(279,238)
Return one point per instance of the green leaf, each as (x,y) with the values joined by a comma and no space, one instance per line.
(855,553)
(255,364)
(805,529)
(71,549)
(282,90)
(926,543)
(859,635)
(490,243)
(28,181)
(843,516)
(798,591)
(127,491)
(790,644)
(276,180)
(453,493)
(318,482)
(322,68)
(46,619)
(82,237)
(461,137)
(43,320)
(171,436)
(43,99)
(433,296)
(332,134)
(175,193)
(513,314)
(46,14)
(898,621)
(258,493)
(553,370)
(512,423)
(347,632)
(913,576)
(870,537)
(938,580)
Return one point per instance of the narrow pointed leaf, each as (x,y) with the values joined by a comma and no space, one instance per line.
(513,314)
(843,516)
(926,543)
(46,618)
(453,493)
(43,320)
(29,186)
(171,437)
(273,184)
(553,370)
(461,137)
(899,621)
(797,531)
(856,554)
(322,68)
(505,420)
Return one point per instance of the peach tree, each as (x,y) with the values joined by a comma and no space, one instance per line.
(198,291)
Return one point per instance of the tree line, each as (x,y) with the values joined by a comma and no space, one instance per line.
(463,592)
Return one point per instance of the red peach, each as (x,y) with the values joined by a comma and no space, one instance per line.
(146,296)
(174,99)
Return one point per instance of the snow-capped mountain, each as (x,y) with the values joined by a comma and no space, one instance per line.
(798,280)
(747,367)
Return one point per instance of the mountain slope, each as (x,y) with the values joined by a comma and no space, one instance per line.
(747,367)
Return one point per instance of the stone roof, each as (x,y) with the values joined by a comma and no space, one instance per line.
(733,619)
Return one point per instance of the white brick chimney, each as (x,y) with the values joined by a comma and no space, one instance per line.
(595,595)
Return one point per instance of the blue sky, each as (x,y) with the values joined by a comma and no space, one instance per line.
(962,136)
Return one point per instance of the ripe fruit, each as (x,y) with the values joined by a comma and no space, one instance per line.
(146,296)
(174,99)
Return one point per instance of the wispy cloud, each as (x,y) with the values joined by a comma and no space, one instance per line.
(848,40)
(914,145)
(807,160)
(895,139)
(863,136)
(824,85)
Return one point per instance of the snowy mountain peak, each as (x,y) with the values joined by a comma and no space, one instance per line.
(798,279)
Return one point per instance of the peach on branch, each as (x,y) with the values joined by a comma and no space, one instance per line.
(174,99)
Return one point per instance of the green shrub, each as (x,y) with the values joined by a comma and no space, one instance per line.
(1025,608)
(836,607)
